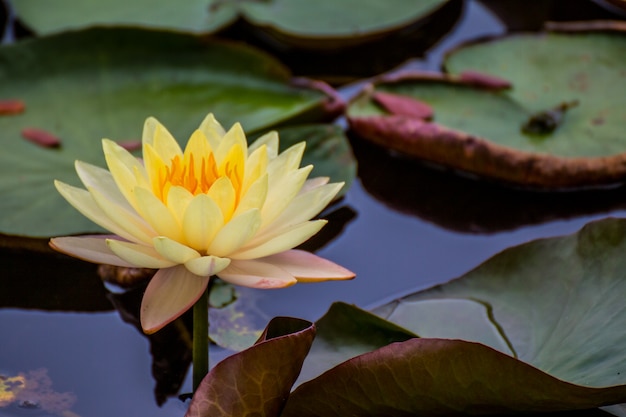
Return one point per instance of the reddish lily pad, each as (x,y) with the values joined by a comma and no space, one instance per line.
(258,380)
(128,75)
(567,78)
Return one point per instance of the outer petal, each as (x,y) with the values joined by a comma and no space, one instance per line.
(306,266)
(302,208)
(91,249)
(256,274)
(207,265)
(127,219)
(125,169)
(287,161)
(101,179)
(311,183)
(170,293)
(138,255)
(281,192)
(288,240)
(174,251)
(84,202)
(270,139)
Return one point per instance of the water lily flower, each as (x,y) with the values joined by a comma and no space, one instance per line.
(220,207)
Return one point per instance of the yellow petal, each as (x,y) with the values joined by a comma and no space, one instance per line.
(174,251)
(127,218)
(311,183)
(203,218)
(234,137)
(178,199)
(256,166)
(157,215)
(280,193)
(84,202)
(288,240)
(199,146)
(302,208)
(140,256)
(286,162)
(170,293)
(207,265)
(235,233)
(213,130)
(124,168)
(307,267)
(223,194)
(270,140)
(157,135)
(99,178)
(91,249)
(255,196)
(256,274)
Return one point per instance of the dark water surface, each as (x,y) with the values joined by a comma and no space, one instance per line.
(412,227)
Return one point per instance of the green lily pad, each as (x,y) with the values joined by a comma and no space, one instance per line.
(59,15)
(557,304)
(558,301)
(329,24)
(569,79)
(83,86)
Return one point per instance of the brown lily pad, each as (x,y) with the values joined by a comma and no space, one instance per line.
(560,125)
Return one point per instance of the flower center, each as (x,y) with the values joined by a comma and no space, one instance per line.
(198,173)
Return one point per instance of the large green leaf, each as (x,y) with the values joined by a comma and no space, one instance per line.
(59,15)
(549,316)
(558,301)
(84,86)
(483,131)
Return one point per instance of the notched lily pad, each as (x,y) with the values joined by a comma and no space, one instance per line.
(128,75)
(560,125)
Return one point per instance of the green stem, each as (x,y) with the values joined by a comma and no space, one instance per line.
(201,338)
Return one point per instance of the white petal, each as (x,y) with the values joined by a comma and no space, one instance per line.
(92,249)
(140,256)
(84,202)
(207,265)
(170,293)
(173,251)
(256,274)
(306,266)
(235,233)
(288,240)
(311,183)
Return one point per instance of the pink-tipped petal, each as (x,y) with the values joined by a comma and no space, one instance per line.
(307,267)
(170,293)
(256,274)
(91,249)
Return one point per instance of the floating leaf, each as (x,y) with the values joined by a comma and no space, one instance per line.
(127,76)
(494,134)
(60,15)
(258,380)
(555,305)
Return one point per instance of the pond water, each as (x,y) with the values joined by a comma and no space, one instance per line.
(407,227)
